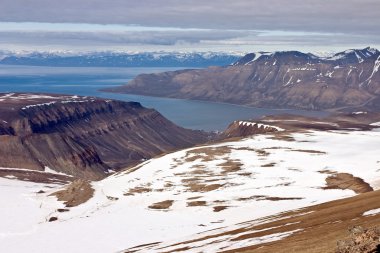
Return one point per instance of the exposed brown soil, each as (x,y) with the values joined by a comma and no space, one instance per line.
(197,203)
(230,166)
(322,226)
(199,187)
(192,198)
(162,205)
(269,165)
(263,197)
(198,172)
(281,198)
(245,174)
(137,189)
(219,208)
(193,158)
(190,180)
(36,176)
(206,154)
(309,151)
(259,152)
(51,219)
(330,172)
(112,198)
(345,181)
(282,137)
(76,193)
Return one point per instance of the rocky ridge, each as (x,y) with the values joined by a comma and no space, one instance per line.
(84,137)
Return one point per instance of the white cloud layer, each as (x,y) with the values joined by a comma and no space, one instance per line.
(190,24)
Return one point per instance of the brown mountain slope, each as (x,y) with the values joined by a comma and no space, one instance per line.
(83,136)
(282,79)
(313,229)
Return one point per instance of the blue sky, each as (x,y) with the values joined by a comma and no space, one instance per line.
(189,25)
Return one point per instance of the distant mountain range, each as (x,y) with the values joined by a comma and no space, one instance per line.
(346,80)
(119,59)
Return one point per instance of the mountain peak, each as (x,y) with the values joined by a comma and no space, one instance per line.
(354,55)
(250,58)
(346,57)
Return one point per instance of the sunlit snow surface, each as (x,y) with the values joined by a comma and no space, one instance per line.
(372,212)
(244,176)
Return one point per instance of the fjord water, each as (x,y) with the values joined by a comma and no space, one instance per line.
(87,81)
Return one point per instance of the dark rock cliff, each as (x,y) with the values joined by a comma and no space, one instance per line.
(84,137)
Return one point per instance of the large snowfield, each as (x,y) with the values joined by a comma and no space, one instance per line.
(205,188)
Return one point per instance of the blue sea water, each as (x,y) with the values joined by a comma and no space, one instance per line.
(87,81)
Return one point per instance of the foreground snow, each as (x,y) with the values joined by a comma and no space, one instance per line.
(209,187)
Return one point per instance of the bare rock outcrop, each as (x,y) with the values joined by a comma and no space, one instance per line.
(361,240)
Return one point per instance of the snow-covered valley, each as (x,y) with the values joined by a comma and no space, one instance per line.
(175,196)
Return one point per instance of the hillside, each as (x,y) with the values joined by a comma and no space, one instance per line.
(84,137)
(235,195)
(348,80)
(315,229)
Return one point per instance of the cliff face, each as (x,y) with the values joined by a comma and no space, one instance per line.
(83,136)
(283,79)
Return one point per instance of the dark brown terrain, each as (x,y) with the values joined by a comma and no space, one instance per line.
(84,137)
(346,81)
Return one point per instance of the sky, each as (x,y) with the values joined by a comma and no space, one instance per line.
(189,25)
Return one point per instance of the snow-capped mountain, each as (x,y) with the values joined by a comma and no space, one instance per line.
(285,79)
(354,55)
(350,56)
(119,59)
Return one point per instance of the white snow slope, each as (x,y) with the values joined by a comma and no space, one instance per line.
(242,176)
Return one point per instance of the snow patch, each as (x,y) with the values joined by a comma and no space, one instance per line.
(38,105)
(375,124)
(258,125)
(372,212)
(329,74)
(304,68)
(289,82)
(48,170)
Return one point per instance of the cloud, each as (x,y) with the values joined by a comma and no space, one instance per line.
(344,16)
(151,39)
(244,25)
